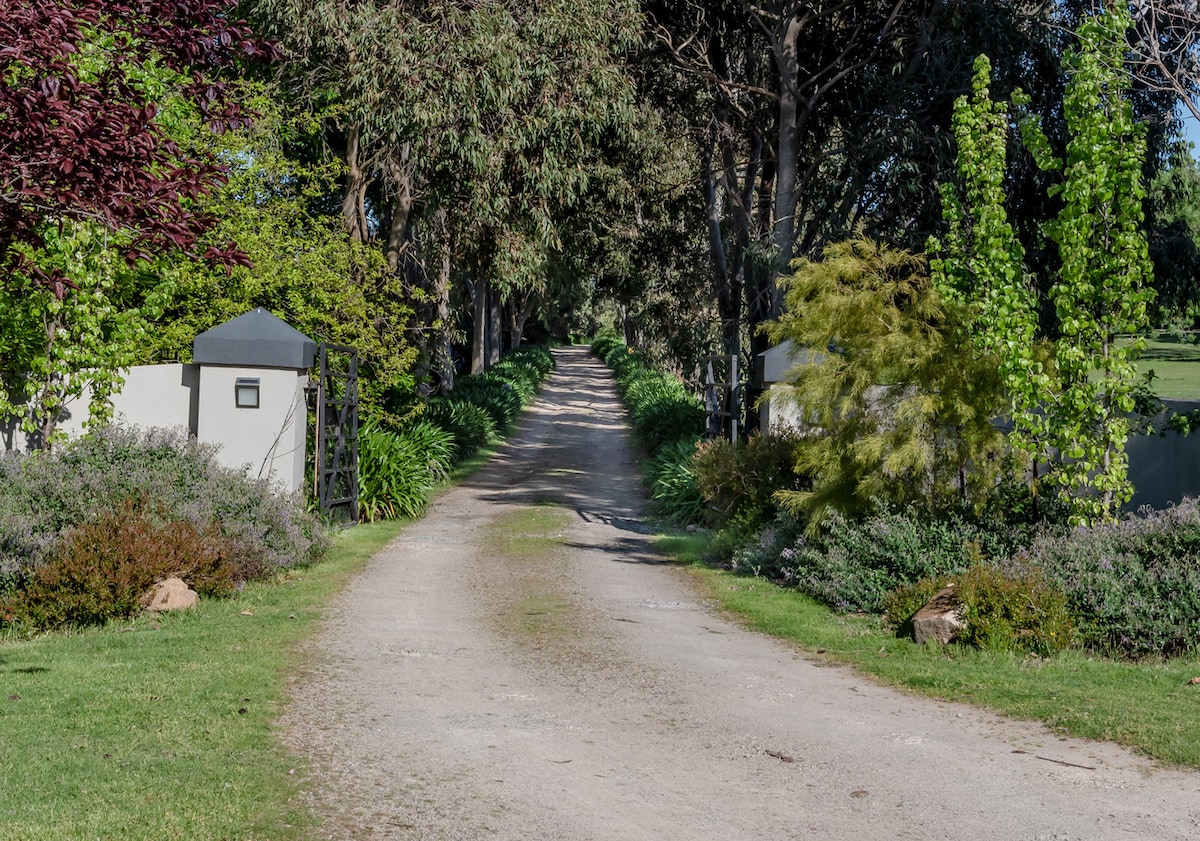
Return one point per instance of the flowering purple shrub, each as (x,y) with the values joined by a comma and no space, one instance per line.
(852,564)
(44,494)
(1131,588)
(1134,585)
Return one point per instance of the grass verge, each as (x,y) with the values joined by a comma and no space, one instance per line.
(1151,707)
(164,728)
(532,606)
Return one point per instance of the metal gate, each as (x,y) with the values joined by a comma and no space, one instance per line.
(721,399)
(337,433)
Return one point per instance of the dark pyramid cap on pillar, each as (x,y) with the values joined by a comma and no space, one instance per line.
(256,339)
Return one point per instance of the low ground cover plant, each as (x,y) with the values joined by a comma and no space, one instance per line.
(61,510)
(104,568)
(853,563)
(1129,589)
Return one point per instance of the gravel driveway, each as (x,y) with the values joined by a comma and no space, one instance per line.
(520,665)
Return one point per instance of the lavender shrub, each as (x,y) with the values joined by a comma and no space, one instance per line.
(853,563)
(43,494)
(1133,586)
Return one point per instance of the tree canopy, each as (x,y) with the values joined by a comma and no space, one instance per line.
(81,87)
(436,181)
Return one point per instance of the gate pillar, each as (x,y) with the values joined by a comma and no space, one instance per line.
(251,403)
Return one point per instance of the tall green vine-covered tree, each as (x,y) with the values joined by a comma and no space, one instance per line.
(54,350)
(1102,289)
(980,267)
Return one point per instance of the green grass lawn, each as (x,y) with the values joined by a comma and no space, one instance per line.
(165,727)
(1151,707)
(1176,366)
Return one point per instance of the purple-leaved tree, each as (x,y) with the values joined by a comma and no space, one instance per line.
(79,138)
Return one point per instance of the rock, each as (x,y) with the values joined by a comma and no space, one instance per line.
(172,594)
(941,619)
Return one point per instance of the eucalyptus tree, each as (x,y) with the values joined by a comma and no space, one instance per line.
(724,86)
(466,129)
(817,119)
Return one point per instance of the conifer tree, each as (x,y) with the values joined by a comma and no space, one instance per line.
(902,401)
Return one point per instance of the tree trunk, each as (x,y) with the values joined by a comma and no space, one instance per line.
(354,212)
(442,351)
(479,342)
(400,176)
(520,311)
(495,330)
(43,402)
(788,151)
(725,289)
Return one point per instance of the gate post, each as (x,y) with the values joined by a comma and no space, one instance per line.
(251,395)
(337,433)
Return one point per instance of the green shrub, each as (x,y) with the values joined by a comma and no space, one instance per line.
(523,377)
(901,604)
(104,568)
(537,356)
(1003,610)
(494,395)
(667,419)
(738,481)
(604,344)
(471,427)
(672,483)
(397,471)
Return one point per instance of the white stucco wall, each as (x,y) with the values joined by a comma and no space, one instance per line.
(152,396)
(158,395)
(268,441)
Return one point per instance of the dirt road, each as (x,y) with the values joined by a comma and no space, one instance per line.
(519,665)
